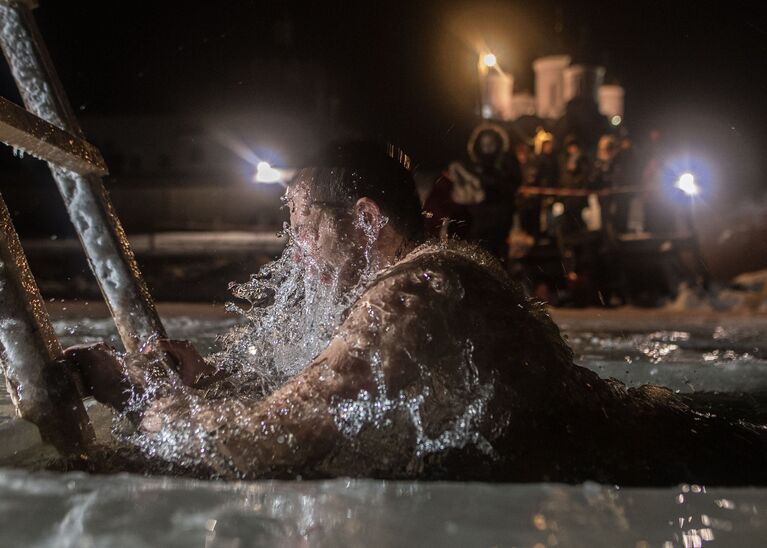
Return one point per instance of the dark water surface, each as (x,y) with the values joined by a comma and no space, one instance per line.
(719,362)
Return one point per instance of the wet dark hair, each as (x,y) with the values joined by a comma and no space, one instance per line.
(345,172)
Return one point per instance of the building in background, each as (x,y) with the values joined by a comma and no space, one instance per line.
(569,100)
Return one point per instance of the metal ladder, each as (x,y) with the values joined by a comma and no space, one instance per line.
(43,389)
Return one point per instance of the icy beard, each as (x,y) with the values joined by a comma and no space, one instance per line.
(293,315)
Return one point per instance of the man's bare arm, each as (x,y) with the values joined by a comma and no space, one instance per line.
(287,433)
(357,397)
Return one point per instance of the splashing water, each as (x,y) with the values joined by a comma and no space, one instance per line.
(351,416)
(289,321)
(291,318)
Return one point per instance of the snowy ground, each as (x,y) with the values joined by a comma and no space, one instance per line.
(747,292)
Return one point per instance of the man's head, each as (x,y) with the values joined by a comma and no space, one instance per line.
(351,205)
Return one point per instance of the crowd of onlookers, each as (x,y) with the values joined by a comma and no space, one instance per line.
(548,189)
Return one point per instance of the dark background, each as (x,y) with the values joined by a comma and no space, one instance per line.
(152,81)
(406,70)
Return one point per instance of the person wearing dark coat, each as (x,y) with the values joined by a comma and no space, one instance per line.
(500,176)
(546,166)
(576,171)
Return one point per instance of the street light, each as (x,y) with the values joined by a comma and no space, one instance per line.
(495,87)
(686,183)
(489,60)
(266,173)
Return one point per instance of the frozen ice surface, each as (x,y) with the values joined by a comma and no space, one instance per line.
(687,353)
(76,510)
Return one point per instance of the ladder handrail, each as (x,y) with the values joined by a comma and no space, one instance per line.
(41,386)
(90,209)
(39,383)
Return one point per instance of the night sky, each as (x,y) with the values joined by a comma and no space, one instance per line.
(406,70)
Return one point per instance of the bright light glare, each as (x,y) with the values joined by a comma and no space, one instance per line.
(687,184)
(266,173)
(616,120)
(489,60)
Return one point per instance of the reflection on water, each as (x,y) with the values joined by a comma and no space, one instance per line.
(76,510)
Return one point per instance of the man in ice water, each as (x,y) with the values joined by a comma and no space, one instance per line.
(442,368)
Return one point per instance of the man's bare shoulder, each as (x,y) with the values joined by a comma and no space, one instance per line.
(444,294)
(440,291)
(446,268)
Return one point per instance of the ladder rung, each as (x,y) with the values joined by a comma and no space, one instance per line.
(25,131)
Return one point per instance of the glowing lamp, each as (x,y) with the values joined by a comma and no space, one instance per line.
(489,60)
(266,173)
(686,183)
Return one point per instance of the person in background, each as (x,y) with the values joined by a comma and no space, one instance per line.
(602,177)
(528,206)
(546,175)
(445,211)
(576,171)
(576,167)
(625,164)
(604,164)
(625,175)
(499,174)
(526,163)
(546,165)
